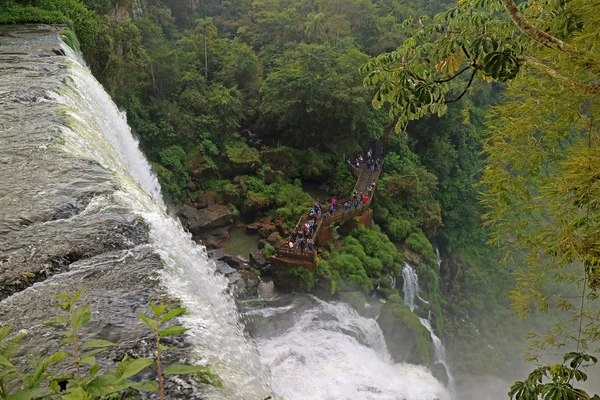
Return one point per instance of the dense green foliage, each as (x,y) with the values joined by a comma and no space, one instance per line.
(247,100)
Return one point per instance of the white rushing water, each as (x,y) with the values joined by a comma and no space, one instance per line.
(332,353)
(99,132)
(411,291)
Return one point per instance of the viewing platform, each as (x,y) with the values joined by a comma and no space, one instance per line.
(323,233)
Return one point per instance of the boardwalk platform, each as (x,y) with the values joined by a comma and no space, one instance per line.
(308,258)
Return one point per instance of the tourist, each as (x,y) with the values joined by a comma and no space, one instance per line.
(291,245)
(302,246)
(369,190)
(331,209)
(347,206)
(360,158)
(311,244)
(370,152)
(377,164)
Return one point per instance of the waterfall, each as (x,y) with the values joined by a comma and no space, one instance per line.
(411,292)
(93,129)
(410,287)
(329,351)
(438,258)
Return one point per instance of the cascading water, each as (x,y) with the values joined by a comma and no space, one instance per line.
(92,128)
(411,292)
(319,351)
(215,331)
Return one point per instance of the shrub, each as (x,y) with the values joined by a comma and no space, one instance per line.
(398,229)
(418,243)
(268,251)
(239,152)
(307,278)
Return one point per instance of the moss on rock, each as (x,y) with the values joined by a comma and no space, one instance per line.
(355,299)
(407,339)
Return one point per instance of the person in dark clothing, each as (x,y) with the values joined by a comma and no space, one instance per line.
(311,244)
(302,246)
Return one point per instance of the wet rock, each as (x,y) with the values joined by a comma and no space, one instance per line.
(235,262)
(274,238)
(407,339)
(225,269)
(258,260)
(261,244)
(253,227)
(439,372)
(197,220)
(266,228)
(355,299)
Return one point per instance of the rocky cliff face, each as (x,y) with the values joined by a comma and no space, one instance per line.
(61,228)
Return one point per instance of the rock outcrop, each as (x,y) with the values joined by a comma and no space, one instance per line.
(214,215)
(406,338)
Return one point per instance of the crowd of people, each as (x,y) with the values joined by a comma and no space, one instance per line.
(303,236)
(372,163)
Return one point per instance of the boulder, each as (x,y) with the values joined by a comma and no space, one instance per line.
(196,220)
(253,227)
(266,229)
(355,299)
(205,199)
(258,260)
(235,262)
(406,337)
(261,244)
(274,238)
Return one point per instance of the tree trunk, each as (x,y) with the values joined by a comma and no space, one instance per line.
(533,31)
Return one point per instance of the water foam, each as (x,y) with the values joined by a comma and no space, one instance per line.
(332,353)
(99,132)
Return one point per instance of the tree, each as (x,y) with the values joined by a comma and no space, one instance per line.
(542,149)
(315,27)
(477,39)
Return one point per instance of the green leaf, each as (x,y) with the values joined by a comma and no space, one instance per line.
(76,297)
(135,367)
(4,361)
(88,360)
(172,330)
(150,322)
(146,386)
(172,314)
(58,320)
(158,310)
(23,394)
(106,384)
(81,316)
(76,393)
(94,370)
(94,344)
(183,369)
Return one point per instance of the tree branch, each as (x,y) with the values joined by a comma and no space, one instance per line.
(452,77)
(533,31)
(464,91)
(586,89)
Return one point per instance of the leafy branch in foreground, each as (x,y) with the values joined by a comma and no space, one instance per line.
(556,381)
(156,325)
(88,382)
